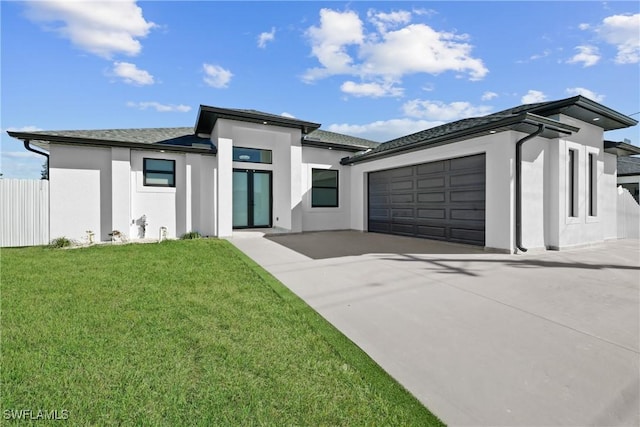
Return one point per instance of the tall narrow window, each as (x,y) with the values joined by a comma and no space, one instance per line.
(159,172)
(593,185)
(324,188)
(572,184)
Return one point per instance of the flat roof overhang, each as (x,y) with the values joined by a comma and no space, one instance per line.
(621,149)
(208,116)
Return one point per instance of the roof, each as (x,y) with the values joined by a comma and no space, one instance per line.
(169,139)
(621,149)
(208,116)
(522,118)
(323,138)
(628,166)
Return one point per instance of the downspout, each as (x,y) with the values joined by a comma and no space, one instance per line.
(29,148)
(519,144)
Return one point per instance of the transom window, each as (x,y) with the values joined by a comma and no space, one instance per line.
(159,172)
(252,155)
(324,188)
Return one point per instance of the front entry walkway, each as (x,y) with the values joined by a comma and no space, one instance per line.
(481,339)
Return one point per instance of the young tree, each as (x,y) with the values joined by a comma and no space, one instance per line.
(44,173)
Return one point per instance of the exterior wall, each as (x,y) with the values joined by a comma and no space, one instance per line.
(500,170)
(583,228)
(80,192)
(609,206)
(102,190)
(286,166)
(314,219)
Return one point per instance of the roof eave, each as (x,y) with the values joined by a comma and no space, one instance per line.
(66,140)
(621,149)
(248,116)
(527,118)
(343,147)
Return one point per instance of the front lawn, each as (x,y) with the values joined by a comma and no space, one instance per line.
(178,333)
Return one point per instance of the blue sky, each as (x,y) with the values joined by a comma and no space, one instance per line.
(376,70)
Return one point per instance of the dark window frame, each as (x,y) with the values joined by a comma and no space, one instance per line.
(233,155)
(593,189)
(146,170)
(337,188)
(572,166)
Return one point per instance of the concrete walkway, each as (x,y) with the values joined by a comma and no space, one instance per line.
(540,339)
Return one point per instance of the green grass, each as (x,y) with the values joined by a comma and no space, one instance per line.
(179,333)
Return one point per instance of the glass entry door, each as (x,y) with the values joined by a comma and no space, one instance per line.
(251,198)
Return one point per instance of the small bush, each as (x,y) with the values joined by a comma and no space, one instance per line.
(191,235)
(60,242)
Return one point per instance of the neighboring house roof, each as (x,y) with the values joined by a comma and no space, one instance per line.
(620,149)
(207,117)
(171,139)
(323,138)
(628,166)
(524,118)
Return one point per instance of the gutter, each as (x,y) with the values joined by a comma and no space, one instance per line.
(30,148)
(519,143)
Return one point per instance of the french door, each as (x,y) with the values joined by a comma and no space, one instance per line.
(251,198)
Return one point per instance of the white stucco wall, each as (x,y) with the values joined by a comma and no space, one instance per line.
(80,191)
(314,219)
(609,199)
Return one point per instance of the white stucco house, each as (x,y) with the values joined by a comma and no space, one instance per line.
(533,176)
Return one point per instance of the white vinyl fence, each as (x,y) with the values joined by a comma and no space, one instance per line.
(24,212)
(628,215)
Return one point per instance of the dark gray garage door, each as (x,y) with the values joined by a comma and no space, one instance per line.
(441,200)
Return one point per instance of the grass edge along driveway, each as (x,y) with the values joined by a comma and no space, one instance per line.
(183,332)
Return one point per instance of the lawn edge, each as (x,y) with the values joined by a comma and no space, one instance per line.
(340,343)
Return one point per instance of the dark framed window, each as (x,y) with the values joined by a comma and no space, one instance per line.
(572,184)
(593,185)
(159,172)
(251,155)
(324,188)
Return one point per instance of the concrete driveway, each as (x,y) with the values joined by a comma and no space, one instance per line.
(546,338)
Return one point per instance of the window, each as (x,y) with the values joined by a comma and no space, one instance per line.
(572,184)
(592,168)
(159,173)
(252,155)
(324,188)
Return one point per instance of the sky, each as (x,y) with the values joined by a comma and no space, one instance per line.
(375,70)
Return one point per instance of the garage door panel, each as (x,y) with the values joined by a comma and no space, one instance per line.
(442,200)
(402,198)
(432,213)
(431,182)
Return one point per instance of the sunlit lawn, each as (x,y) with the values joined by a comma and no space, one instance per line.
(179,333)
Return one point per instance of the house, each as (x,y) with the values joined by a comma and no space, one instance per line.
(629,175)
(533,176)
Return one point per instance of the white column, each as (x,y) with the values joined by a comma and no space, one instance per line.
(120,189)
(224,183)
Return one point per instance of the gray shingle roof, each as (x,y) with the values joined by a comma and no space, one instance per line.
(628,166)
(324,136)
(143,136)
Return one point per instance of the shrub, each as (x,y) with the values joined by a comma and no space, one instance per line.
(60,242)
(191,235)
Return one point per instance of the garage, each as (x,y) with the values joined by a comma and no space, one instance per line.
(443,200)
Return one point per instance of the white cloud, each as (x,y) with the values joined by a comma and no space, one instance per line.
(265,37)
(572,91)
(161,108)
(341,46)
(488,96)
(131,74)
(289,115)
(587,55)
(101,28)
(19,155)
(384,21)
(371,89)
(622,32)
(584,26)
(384,130)
(533,96)
(439,111)
(216,76)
